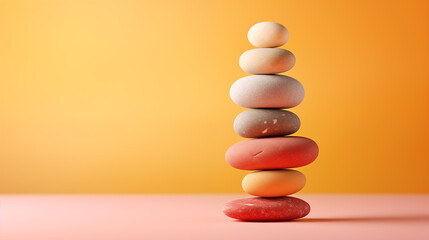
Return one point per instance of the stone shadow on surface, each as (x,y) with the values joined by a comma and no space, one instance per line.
(363,219)
(370,219)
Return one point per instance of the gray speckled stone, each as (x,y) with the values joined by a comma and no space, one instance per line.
(256,123)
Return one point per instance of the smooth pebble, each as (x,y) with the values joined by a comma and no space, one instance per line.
(272,153)
(273,183)
(267,209)
(267,91)
(256,123)
(266,60)
(268,35)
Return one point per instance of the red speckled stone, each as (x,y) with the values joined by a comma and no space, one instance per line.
(272,153)
(267,209)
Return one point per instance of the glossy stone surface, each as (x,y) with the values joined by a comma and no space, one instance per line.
(267,91)
(266,60)
(272,153)
(273,183)
(256,123)
(267,209)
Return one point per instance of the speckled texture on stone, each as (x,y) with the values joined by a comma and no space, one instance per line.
(256,123)
(267,209)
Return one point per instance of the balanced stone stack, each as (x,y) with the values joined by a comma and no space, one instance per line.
(270,152)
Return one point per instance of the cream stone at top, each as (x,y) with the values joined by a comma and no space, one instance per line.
(268,35)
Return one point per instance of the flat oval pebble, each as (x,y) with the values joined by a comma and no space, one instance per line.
(273,183)
(272,153)
(267,91)
(268,35)
(256,123)
(267,209)
(266,60)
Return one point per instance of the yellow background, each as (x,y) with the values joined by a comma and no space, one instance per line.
(133,96)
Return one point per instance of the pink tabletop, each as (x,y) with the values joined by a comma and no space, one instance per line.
(128,217)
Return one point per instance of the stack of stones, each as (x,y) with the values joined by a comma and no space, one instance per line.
(270,152)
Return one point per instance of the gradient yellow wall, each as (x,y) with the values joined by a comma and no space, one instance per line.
(133,96)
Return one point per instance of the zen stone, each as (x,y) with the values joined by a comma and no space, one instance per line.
(273,183)
(266,61)
(268,35)
(267,209)
(256,123)
(267,91)
(272,153)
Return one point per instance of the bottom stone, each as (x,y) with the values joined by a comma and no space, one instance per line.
(267,209)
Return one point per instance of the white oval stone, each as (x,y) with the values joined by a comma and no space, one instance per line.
(267,91)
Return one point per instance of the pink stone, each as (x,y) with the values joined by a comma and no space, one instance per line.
(272,153)
(267,209)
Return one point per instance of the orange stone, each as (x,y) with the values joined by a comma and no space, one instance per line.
(272,153)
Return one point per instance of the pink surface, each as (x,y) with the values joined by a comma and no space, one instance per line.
(129,217)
